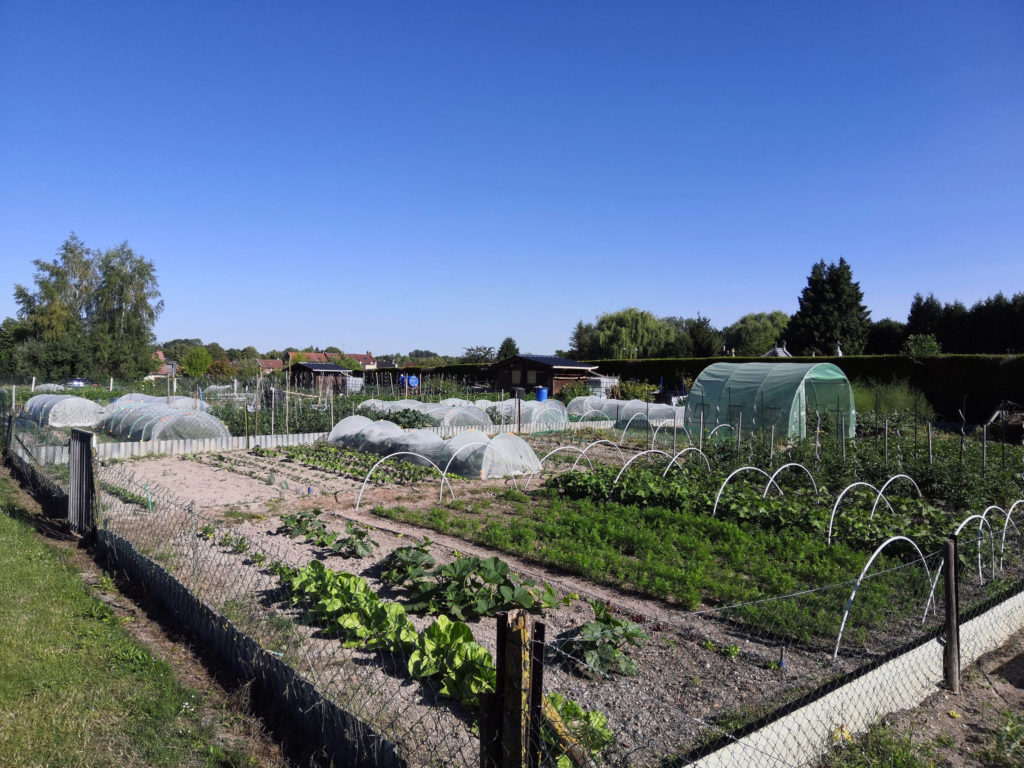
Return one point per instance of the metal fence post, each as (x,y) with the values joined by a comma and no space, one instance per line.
(81,516)
(951,625)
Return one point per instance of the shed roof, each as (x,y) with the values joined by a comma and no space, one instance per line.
(548,361)
(322,367)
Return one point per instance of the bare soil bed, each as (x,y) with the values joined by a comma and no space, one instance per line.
(686,687)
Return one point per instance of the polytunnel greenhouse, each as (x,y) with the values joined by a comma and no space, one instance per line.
(764,395)
(469,454)
(62,411)
(140,421)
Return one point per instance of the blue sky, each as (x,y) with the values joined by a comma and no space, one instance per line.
(390,176)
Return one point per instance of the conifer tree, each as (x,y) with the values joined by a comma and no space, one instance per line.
(831,313)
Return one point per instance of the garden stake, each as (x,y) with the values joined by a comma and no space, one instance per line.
(887,441)
(984,448)
(930,458)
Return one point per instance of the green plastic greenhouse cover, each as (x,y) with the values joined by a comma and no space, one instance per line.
(763,395)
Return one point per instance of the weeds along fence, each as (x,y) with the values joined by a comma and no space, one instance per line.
(774,682)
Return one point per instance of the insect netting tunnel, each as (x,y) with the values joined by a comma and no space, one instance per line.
(759,396)
(62,411)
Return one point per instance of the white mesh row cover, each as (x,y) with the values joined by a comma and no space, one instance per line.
(350,425)
(137,421)
(472,454)
(174,401)
(50,388)
(548,413)
(623,410)
(62,411)
(465,416)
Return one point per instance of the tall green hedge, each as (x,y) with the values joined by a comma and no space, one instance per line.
(946,380)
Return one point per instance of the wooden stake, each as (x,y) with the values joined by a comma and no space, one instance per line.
(951,649)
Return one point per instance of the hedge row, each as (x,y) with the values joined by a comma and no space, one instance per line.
(949,382)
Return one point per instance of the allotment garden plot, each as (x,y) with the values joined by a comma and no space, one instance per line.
(678,606)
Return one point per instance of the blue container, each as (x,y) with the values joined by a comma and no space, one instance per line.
(542,394)
(414,382)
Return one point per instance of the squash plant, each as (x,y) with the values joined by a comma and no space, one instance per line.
(597,646)
(469,587)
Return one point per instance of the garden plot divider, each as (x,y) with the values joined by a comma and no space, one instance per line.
(252,603)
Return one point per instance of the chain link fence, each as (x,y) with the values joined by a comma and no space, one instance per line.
(772,682)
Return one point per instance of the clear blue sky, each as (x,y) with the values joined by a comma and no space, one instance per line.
(389,176)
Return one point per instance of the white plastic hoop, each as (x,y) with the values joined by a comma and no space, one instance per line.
(444,480)
(856,586)
(736,472)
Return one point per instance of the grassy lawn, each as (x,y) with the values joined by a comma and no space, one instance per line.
(75,688)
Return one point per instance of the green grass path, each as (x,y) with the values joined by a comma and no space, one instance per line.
(75,688)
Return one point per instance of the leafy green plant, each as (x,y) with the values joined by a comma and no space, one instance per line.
(598,645)
(470,586)
(356,542)
(446,650)
(1008,749)
(207,532)
(588,728)
(406,566)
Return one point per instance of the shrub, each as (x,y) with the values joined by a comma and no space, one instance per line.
(891,397)
(575,389)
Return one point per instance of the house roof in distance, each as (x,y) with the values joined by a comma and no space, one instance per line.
(550,361)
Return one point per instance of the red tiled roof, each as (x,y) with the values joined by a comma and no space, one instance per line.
(270,365)
(366,359)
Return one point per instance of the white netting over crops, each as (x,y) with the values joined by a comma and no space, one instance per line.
(471,454)
(50,388)
(421,441)
(548,413)
(465,416)
(132,421)
(62,411)
(350,425)
(174,401)
(623,410)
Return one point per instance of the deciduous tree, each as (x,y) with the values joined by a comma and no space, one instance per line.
(756,333)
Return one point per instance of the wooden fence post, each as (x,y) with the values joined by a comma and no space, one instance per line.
(951,629)
(516,675)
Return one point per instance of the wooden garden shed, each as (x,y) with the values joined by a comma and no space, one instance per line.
(531,371)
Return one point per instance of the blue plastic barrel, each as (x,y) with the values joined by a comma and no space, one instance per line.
(414,382)
(542,394)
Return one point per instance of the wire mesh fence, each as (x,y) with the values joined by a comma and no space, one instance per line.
(766,682)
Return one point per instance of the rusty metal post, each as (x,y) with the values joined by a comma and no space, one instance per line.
(81,514)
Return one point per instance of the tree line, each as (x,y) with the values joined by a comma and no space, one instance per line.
(831,315)
(92,312)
